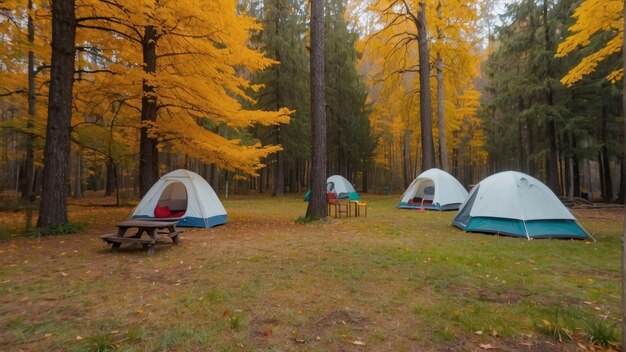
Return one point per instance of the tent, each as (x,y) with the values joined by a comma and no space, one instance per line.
(185,196)
(339,185)
(513,203)
(434,189)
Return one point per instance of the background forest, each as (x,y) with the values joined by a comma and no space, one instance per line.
(222,88)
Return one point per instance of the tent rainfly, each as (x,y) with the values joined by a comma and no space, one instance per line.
(339,185)
(513,203)
(185,196)
(434,189)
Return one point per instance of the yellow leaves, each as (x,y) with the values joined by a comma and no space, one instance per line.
(593,17)
(201,80)
(390,63)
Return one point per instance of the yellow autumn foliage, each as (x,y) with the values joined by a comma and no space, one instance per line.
(390,61)
(593,17)
(203,61)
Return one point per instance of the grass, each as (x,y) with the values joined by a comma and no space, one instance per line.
(396,280)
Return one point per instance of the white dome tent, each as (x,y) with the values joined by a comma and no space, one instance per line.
(185,196)
(339,185)
(513,203)
(434,189)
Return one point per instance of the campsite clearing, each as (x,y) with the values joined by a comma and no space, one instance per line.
(395,280)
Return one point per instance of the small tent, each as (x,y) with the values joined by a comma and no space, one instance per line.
(513,203)
(185,196)
(434,189)
(339,185)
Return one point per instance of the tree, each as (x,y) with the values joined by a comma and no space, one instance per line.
(284,84)
(317,204)
(391,64)
(443,149)
(53,209)
(526,98)
(192,72)
(594,17)
(25,58)
(349,138)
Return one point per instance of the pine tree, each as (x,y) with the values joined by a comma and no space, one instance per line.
(286,83)
(317,204)
(350,137)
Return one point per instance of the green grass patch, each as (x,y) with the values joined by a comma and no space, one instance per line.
(396,280)
(60,229)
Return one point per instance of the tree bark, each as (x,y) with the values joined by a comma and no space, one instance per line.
(279,175)
(428,149)
(53,209)
(406,159)
(606,185)
(622,180)
(76,179)
(110,178)
(443,147)
(531,146)
(523,160)
(317,204)
(148,152)
(624,152)
(29,166)
(553,158)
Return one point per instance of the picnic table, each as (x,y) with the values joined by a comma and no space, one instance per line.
(155,231)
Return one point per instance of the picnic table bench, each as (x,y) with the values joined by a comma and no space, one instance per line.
(155,231)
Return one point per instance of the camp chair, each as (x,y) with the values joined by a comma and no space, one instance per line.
(339,207)
(355,200)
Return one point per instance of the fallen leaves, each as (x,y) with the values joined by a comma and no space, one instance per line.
(487,346)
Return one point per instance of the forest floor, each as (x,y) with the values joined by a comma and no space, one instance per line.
(396,280)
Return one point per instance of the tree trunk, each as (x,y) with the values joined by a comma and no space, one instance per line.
(53,209)
(571,168)
(365,180)
(317,204)
(406,158)
(606,185)
(553,158)
(523,160)
(624,153)
(111,179)
(279,175)
(622,180)
(148,152)
(443,148)
(428,149)
(29,166)
(531,146)
(76,170)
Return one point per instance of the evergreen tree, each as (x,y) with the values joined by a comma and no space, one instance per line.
(350,136)
(286,83)
(317,205)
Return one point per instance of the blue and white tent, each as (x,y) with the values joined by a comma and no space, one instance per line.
(185,196)
(339,185)
(513,203)
(434,189)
